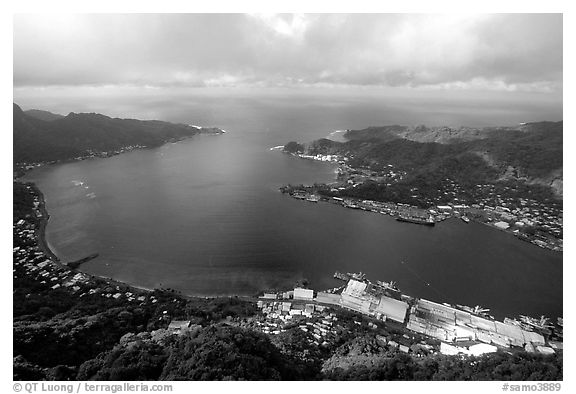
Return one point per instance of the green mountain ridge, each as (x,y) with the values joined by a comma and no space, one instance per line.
(79,134)
(530,152)
(43,115)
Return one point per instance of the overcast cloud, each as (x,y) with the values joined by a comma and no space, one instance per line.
(495,52)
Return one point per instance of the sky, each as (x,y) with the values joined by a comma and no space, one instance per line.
(59,55)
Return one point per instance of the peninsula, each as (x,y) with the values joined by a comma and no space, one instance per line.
(41,137)
(507,177)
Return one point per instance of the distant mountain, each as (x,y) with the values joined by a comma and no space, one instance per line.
(74,135)
(43,115)
(442,134)
(530,152)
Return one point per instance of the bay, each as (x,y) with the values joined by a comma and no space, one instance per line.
(204,216)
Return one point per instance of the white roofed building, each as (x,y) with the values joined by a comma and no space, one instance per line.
(502,225)
(355,288)
(303,294)
(392,308)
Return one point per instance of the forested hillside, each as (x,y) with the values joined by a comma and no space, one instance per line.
(37,139)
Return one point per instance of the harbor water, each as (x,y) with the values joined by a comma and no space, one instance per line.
(204,216)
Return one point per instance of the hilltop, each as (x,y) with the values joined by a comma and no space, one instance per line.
(530,153)
(508,177)
(43,115)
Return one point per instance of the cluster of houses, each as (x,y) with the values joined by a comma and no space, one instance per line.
(321,157)
(485,202)
(352,177)
(505,215)
(314,319)
(498,207)
(88,154)
(516,219)
(320,323)
(31,261)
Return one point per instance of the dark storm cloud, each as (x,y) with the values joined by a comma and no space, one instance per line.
(510,51)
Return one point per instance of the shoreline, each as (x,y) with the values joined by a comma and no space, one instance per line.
(359,204)
(43,245)
(41,232)
(552,243)
(43,220)
(136,289)
(45,248)
(23,168)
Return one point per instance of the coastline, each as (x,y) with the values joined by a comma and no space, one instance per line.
(45,248)
(41,233)
(23,168)
(132,293)
(303,192)
(43,244)
(364,205)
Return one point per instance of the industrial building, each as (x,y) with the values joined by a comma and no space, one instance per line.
(368,298)
(466,331)
(303,294)
(328,298)
(451,324)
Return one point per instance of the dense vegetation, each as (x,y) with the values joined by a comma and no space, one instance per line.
(43,115)
(53,331)
(294,147)
(37,139)
(498,366)
(22,201)
(216,352)
(529,156)
(535,149)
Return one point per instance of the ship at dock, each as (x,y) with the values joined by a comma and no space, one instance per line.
(349,275)
(416,220)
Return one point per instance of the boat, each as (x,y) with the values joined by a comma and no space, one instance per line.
(512,321)
(313,198)
(541,324)
(356,275)
(388,285)
(341,276)
(477,310)
(416,220)
(465,219)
